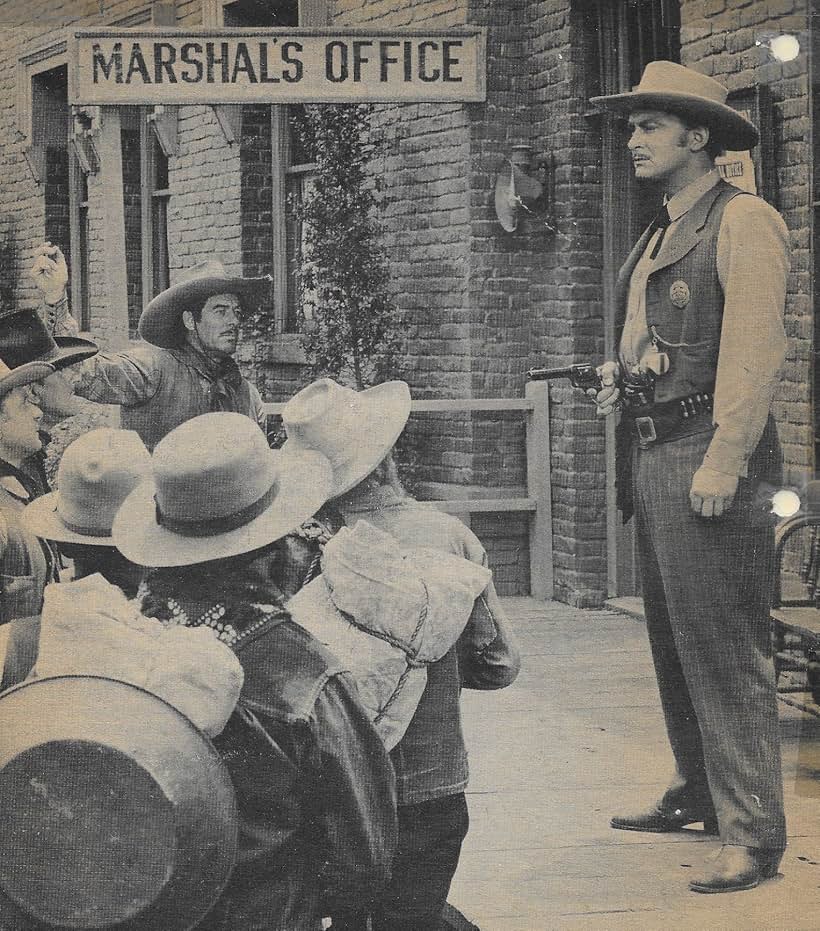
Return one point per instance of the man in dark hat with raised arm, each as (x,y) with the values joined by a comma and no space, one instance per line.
(187,367)
(699,311)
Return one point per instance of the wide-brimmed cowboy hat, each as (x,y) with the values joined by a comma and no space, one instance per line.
(355,430)
(25,374)
(96,474)
(667,86)
(218,491)
(161,321)
(115,811)
(25,338)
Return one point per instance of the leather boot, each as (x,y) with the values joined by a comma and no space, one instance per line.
(661,821)
(737,868)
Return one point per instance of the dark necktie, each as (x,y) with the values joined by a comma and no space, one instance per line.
(661,222)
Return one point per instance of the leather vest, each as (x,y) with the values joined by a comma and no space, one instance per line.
(684,298)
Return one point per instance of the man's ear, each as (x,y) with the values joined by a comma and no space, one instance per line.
(188,321)
(698,138)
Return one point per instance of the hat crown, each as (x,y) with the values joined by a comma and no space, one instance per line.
(325,416)
(210,268)
(96,474)
(667,77)
(354,430)
(211,466)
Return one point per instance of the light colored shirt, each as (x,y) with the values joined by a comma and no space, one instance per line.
(753,266)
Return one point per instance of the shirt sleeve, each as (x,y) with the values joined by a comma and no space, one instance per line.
(257,409)
(355,800)
(488,655)
(753,267)
(125,378)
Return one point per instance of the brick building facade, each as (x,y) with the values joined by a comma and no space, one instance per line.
(478,304)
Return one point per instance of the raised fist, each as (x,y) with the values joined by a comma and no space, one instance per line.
(50,272)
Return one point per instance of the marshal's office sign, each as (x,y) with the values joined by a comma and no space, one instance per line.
(168,66)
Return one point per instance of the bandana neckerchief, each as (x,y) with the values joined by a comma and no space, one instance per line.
(222,373)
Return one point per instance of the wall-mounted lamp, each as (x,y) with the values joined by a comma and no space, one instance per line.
(524,186)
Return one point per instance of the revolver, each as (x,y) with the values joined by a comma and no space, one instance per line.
(581,375)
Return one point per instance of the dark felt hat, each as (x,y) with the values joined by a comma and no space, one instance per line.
(25,338)
(161,321)
(115,811)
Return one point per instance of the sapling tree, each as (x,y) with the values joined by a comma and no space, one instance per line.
(348,319)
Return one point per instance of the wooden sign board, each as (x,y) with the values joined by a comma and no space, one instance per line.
(170,66)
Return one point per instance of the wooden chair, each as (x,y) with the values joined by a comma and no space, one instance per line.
(796,609)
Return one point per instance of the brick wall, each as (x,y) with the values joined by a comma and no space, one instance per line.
(256,190)
(718,37)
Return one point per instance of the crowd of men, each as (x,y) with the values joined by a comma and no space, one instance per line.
(317,624)
(343,744)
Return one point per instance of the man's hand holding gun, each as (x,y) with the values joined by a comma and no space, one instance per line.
(601,383)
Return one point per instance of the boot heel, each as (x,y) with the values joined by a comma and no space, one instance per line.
(769,863)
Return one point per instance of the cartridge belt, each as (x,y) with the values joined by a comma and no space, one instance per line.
(671,420)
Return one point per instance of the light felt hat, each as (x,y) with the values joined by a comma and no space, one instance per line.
(161,321)
(218,491)
(96,474)
(665,86)
(355,430)
(25,374)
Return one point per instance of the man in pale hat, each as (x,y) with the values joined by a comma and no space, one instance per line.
(357,432)
(96,474)
(314,784)
(186,366)
(699,312)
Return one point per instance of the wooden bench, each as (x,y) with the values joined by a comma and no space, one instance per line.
(796,608)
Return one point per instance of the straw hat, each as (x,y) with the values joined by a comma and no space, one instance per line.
(161,321)
(218,491)
(96,474)
(115,811)
(25,338)
(355,430)
(25,374)
(667,86)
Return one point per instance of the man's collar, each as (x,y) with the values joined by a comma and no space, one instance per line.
(680,203)
(373,499)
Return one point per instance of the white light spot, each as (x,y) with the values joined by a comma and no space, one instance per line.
(785,47)
(785,503)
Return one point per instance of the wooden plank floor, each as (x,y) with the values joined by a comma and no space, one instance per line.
(579,736)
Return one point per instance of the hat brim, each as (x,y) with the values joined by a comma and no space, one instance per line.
(161,322)
(730,127)
(387,410)
(304,481)
(70,350)
(43,520)
(145,737)
(25,374)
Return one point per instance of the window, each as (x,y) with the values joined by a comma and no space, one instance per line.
(160,194)
(46,119)
(299,174)
(815,219)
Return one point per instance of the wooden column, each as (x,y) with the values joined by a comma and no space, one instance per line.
(539,488)
(109,179)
